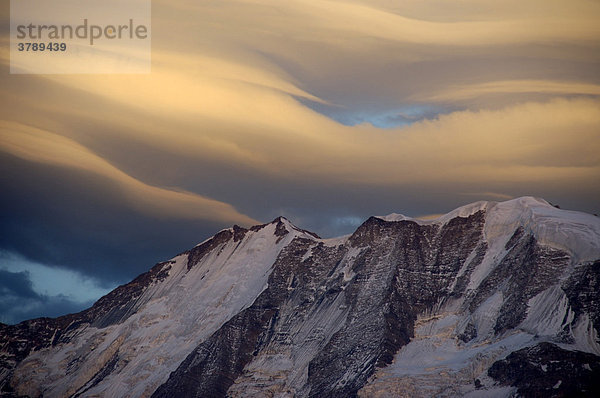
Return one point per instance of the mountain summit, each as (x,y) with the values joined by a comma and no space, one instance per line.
(491,299)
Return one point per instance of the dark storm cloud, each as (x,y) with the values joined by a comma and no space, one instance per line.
(61,217)
(16,284)
(18,300)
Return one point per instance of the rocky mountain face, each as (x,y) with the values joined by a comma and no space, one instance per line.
(492,299)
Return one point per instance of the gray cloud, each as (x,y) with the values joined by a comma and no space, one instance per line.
(18,300)
(57,216)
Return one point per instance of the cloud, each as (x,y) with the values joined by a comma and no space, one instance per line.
(490,195)
(66,219)
(35,280)
(16,307)
(524,142)
(235,104)
(46,147)
(17,283)
(467,23)
(464,92)
(30,290)
(521,142)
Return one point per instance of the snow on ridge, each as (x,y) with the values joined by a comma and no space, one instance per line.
(575,232)
(397,217)
(230,229)
(173,317)
(227,280)
(337,241)
(176,313)
(463,211)
(290,227)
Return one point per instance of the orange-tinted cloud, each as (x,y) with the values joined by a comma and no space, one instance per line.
(230,82)
(49,148)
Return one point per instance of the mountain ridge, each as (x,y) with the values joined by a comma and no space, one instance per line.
(274,309)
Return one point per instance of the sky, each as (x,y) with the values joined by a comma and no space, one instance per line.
(325,112)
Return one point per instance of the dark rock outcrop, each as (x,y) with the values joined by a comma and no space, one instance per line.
(546,370)
(276,311)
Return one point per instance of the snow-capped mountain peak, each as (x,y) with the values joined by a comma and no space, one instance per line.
(453,305)
(572,231)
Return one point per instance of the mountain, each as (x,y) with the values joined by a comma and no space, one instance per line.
(491,299)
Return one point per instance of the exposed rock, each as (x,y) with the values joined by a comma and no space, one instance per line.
(467,303)
(546,370)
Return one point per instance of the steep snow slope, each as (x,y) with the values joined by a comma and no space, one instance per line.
(572,231)
(456,344)
(200,291)
(402,307)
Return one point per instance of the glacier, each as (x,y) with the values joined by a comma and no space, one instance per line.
(450,306)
